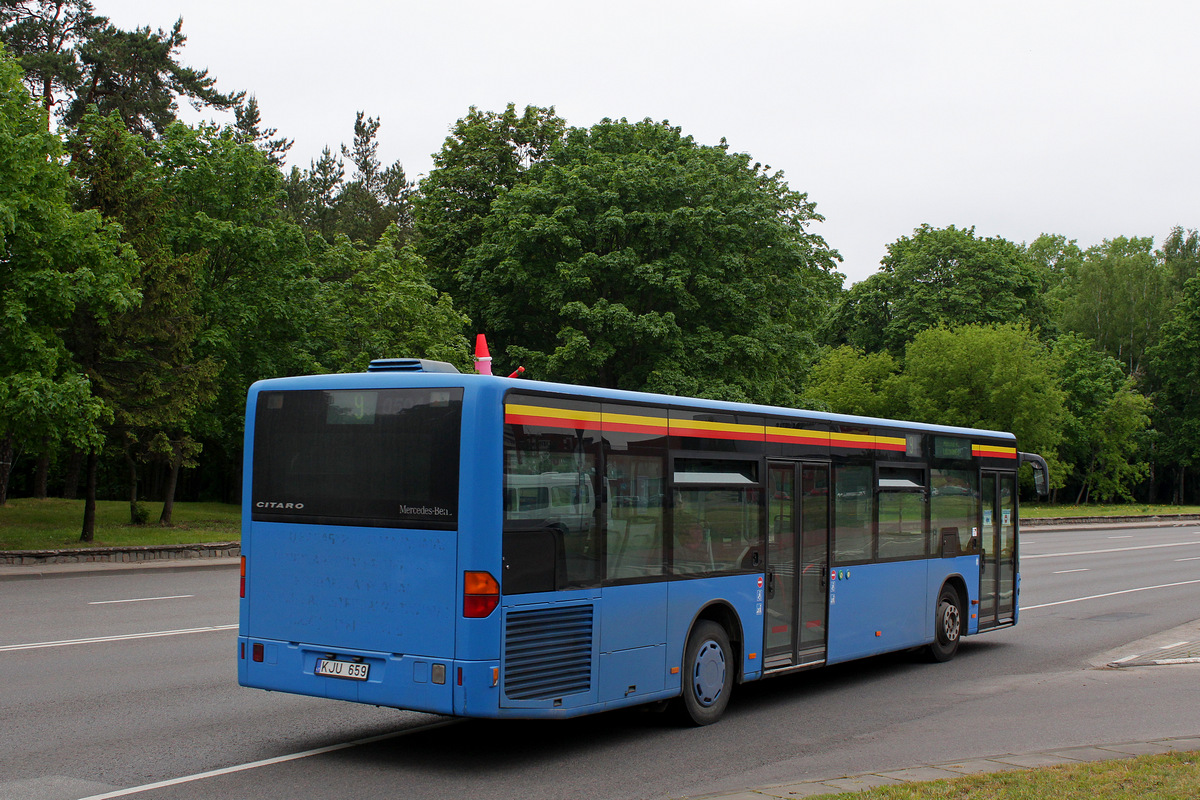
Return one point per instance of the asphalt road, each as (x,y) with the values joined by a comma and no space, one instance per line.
(91,706)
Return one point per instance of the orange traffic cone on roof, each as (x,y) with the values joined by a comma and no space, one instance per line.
(483,359)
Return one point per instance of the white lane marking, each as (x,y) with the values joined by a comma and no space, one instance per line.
(140,599)
(1109,550)
(1068,571)
(1192,558)
(1109,594)
(1120,537)
(1169,646)
(124,637)
(266,762)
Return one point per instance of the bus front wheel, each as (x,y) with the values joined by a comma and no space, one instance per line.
(708,670)
(947,625)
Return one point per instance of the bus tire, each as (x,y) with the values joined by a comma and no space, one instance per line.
(947,625)
(708,671)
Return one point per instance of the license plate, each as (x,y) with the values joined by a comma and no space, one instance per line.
(352,670)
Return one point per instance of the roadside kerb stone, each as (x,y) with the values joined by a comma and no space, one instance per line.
(120,555)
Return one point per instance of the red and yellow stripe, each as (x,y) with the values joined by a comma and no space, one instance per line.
(569,419)
(992,451)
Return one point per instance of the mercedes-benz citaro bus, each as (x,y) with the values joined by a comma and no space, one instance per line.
(403,543)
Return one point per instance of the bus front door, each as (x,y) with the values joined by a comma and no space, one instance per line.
(797,591)
(998,562)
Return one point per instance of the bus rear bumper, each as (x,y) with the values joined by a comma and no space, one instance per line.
(413,682)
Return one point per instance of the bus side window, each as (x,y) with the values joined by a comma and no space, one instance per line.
(853,538)
(635,516)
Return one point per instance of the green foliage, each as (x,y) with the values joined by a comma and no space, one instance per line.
(1105,413)
(248,124)
(66,49)
(53,261)
(1175,376)
(363,208)
(141,359)
(941,276)
(634,257)
(1118,296)
(995,377)
(845,380)
(383,305)
(486,154)
(43,35)
(135,76)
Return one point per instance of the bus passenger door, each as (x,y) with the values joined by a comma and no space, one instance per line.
(797,591)
(998,562)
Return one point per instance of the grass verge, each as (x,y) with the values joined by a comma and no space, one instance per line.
(28,524)
(1112,510)
(1172,776)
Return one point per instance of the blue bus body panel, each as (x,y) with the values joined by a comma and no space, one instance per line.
(633,641)
(740,593)
(875,608)
(377,589)
(382,596)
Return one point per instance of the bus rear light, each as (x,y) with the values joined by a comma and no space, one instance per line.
(243,591)
(257,651)
(481,594)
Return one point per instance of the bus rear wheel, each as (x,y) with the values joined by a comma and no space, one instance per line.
(947,625)
(708,670)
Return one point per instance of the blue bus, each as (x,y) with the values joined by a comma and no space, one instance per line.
(487,547)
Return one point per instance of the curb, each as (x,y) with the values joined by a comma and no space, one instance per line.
(39,564)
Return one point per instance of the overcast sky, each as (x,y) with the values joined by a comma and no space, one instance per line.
(1018,118)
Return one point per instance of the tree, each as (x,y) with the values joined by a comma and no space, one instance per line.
(381,304)
(52,260)
(44,36)
(257,288)
(1118,296)
(376,196)
(248,122)
(995,377)
(141,360)
(636,258)
(941,276)
(136,76)
(845,380)
(1175,377)
(486,154)
(1104,416)
(1180,255)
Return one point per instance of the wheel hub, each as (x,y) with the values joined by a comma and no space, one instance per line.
(708,680)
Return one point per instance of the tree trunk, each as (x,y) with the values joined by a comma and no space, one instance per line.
(74,462)
(42,476)
(6,458)
(89,498)
(172,482)
(135,517)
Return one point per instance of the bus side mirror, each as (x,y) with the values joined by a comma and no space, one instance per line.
(1041,474)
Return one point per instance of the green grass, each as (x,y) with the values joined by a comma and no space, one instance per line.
(28,524)
(1174,776)
(1110,510)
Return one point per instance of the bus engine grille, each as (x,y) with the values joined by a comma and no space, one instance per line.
(548,653)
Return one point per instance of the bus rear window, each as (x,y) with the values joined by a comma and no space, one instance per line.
(378,457)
